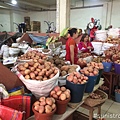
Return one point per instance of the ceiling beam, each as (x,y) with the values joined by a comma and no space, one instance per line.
(34,5)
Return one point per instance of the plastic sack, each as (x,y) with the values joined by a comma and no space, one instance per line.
(113,33)
(39,88)
(101,35)
(7,113)
(39,39)
(17,103)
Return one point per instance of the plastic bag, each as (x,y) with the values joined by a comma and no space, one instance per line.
(39,88)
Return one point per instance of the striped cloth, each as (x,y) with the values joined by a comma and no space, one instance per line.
(18,103)
(7,113)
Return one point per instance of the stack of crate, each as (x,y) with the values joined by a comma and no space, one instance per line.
(35,25)
(27,21)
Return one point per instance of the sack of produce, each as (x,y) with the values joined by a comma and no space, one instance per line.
(39,76)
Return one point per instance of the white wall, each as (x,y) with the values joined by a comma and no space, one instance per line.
(108,14)
(42,16)
(81,17)
(5,20)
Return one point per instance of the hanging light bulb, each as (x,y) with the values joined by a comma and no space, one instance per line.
(14,2)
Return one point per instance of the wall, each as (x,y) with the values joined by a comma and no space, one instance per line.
(108,14)
(42,16)
(5,20)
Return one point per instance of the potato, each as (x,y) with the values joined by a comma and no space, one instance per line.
(53,99)
(63,96)
(32,69)
(32,75)
(42,99)
(63,89)
(36,72)
(52,75)
(65,68)
(42,103)
(27,71)
(31,63)
(49,101)
(55,96)
(59,92)
(36,103)
(56,88)
(48,109)
(22,72)
(26,65)
(53,106)
(70,78)
(45,78)
(27,77)
(52,92)
(37,107)
(41,61)
(67,94)
(41,109)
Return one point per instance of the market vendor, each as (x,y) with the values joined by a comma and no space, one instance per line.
(85,45)
(71,47)
(4,51)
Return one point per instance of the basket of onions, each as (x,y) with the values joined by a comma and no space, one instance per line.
(44,108)
(76,82)
(62,97)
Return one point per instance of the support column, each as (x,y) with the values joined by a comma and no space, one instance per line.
(62,14)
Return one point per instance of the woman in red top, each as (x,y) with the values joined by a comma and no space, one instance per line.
(71,47)
(85,45)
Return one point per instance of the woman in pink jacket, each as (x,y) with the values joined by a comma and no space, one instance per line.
(85,45)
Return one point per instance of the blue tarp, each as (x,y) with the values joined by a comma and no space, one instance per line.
(39,39)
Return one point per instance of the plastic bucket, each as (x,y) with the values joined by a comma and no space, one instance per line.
(99,76)
(44,116)
(91,83)
(77,91)
(107,66)
(117,97)
(61,106)
(117,68)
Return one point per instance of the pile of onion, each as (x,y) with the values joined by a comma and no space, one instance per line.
(45,105)
(99,66)
(89,71)
(34,54)
(37,70)
(77,78)
(60,93)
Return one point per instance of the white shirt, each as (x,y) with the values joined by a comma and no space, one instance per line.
(4,51)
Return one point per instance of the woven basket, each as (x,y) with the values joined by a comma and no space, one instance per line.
(94,102)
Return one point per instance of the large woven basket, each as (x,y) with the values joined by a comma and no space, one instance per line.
(94,102)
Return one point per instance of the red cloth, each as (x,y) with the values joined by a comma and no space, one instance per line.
(7,113)
(19,103)
(69,42)
(82,45)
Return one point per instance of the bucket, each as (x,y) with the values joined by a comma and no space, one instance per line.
(107,66)
(77,91)
(117,97)
(44,116)
(99,76)
(61,106)
(117,68)
(91,83)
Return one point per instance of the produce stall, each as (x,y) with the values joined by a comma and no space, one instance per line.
(52,80)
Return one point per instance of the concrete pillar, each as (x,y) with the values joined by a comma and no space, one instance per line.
(62,14)
(11,21)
